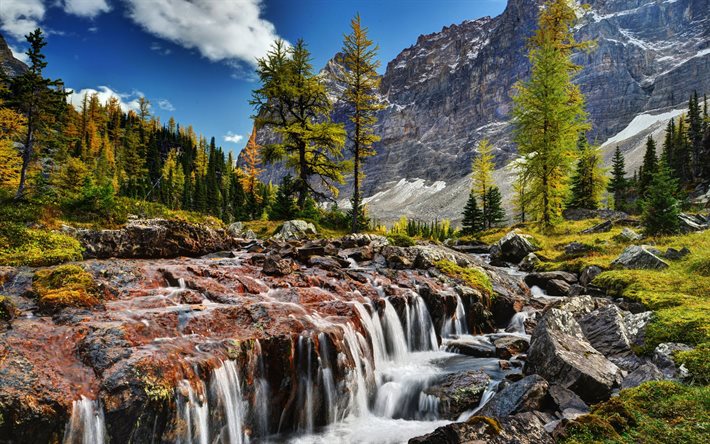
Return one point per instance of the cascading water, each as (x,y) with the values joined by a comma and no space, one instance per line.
(261,393)
(517,323)
(420,328)
(193,412)
(305,392)
(227,394)
(86,425)
(456,324)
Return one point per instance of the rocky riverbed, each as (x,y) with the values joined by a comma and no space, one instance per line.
(296,340)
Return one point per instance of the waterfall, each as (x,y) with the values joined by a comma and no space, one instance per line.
(261,393)
(194,414)
(420,327)
(396,341)
(373,326)
(305,386)
(327,381)
(428,407)
(228,396)
(488,393)
(86,425)
(358,386)
(456,324)
(517,322)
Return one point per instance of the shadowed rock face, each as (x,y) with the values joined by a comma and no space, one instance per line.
(8,63)
(453,88)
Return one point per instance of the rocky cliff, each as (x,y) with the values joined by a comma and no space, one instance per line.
(8,63)
(453,88)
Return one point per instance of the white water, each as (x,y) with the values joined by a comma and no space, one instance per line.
(86,425)
(227,392)
(194,414)
(517,322)
(456,325)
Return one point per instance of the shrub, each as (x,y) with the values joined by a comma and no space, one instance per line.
(64,286)
(36,247)
(473,277)
(400,240)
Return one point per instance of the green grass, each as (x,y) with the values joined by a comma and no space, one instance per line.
(655,412)
(473,277)
(35,247)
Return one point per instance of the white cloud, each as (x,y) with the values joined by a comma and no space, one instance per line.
(127,101)
(219,30)
(86,8)
(157,47)
(165,104)
(20,17)
(234,138)
(19,54)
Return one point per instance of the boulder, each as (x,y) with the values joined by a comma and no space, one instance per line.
(529,262)
(664,360)
(513,247)
(459,392)
(674,255)
(236,229)
(555,283)
(643,373)
(693,222)
(560,353)
(249,235)
(580,305)
(373,241)
(295,229)
(154,238)
(568,403)
(628,235)
(575,249)
(525,395)
(639,257)
(471,348)
(277,266)
(507,346)
(588,274)
(599,228)
(605,329)
(636,324)
(523,428)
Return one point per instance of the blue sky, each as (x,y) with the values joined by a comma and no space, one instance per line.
(193,59)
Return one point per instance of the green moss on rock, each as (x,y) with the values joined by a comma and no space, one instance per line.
(64,286)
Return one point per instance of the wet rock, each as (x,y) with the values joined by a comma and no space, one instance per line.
(588,274)
(628,235)
(664,360)
(513,247)
(643,373)
(459,392)
(310,249)
(529,262)
(560,353)
(326,263)
(470,348)
(295,229)
(507,346)
(523,428)
(674,255)
(103,347)
(154,238)
(636,324)
(277,266)
(526,395)
(605,329)
(599,228)
(555,283)
(639,257)
(568,403)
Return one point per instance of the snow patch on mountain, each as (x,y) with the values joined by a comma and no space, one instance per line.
(641,123)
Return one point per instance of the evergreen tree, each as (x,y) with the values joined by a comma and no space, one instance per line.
(618,185)
(549,111)
(284,206)
(695,133)
(648,168)
(482,174)
(293,101)
(362,103)
(39,100)
(520,197)
(682,154)
(668,143)
(472,216)
(251,169)
(494,213)
(660,207)
(589,180)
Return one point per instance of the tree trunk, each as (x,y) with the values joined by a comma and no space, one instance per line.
(303,177)
(26,157)
(356,182)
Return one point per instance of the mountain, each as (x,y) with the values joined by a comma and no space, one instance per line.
(8,63)
(453,88)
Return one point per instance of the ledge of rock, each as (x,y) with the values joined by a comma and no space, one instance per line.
(153,238)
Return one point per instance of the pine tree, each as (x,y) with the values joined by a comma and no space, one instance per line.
(682,154)
(589,181)
(284,207)
(293,101)
(38,100)
(362,103)
(494,213)
(618,185)
(472,216)
(251,169)
(482,174)
(549,111)
(668,143)
(660,207)
(695,133)
(648,168)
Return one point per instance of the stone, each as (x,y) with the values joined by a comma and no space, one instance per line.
(664,360)
(525,395)
(576,249)
(605,329)
(529,262)
(295,229)
(513,247)
(249,235)
(636,324)
(277,266)
(628,235)
(507,346)
(555,283)
(674,255)
(560,353)
(557,287)
(459,392)
(580,305)
(693,222)
(568,403)
(470,348)
(588,274)
(599,228)
(643,373)
(639,257)
(523,428)
(236,229)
